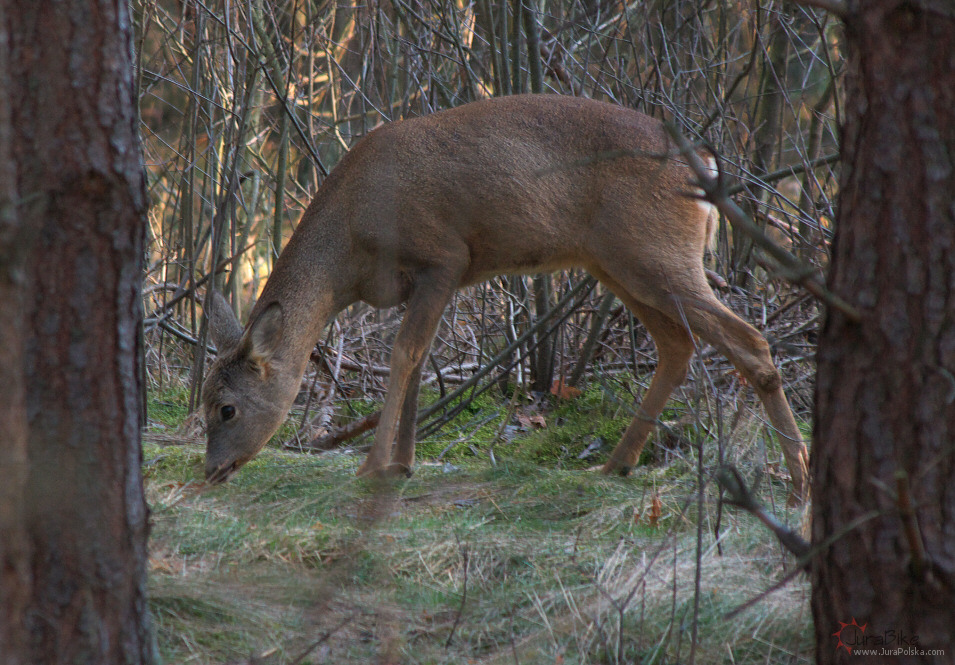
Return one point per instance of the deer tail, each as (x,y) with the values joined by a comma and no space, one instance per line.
(713,214)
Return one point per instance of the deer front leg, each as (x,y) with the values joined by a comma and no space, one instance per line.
(402,367)
(431,294)
(402,460)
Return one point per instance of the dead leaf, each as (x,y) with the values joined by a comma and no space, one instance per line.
(563,391)
(535,421)
(656,510)
(739,377)
(160,565)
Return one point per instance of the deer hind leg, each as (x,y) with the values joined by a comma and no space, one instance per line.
(674,349)
(749,352)
(430,294)
(683,298)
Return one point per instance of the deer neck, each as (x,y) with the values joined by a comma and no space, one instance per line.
(311,291)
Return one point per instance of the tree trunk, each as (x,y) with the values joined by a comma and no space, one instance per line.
(14,551)
(883,463)
(79,189)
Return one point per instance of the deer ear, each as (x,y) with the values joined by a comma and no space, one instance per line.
(223,326)
(264,336)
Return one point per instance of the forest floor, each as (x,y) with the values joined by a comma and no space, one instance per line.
(526,558)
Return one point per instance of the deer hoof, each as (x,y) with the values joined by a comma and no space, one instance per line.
(389,471)
(397,469)
(611,467)
(368,471)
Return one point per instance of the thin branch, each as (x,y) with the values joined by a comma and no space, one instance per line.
(465,557)
(787,265)
(837,8)
(779,174)
(739,495)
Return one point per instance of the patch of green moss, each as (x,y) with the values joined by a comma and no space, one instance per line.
(167,408)
(173,463)
(594,420)
(475,425)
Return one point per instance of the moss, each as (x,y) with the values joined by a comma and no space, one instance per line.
(168,408)
(179,464)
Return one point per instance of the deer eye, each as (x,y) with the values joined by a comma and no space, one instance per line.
(227,412)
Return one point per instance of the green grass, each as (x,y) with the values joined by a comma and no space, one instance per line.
(296,549)
(531,560)
(168,408)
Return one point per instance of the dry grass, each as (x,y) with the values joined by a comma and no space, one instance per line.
(297,561)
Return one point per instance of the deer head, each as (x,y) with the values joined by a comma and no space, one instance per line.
(247,393)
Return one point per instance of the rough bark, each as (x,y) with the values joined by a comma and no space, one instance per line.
(79,189)
(883,460)
(14,571)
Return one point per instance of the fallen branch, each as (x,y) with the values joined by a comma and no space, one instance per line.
(740,496)
(381,370)
(340,435)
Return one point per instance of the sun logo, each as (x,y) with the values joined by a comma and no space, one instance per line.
(842,627)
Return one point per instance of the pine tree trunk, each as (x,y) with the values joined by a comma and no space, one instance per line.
(883,464)
(79,189)
(14,550)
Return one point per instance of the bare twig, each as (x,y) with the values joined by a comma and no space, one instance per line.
(788,266)
(465,561)
(804,561)
(324,638)
(910,523)
(837,8)
(738,494)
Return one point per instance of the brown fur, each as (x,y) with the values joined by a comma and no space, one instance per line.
(518,184)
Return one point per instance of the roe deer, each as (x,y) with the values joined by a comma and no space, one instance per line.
(424,206)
